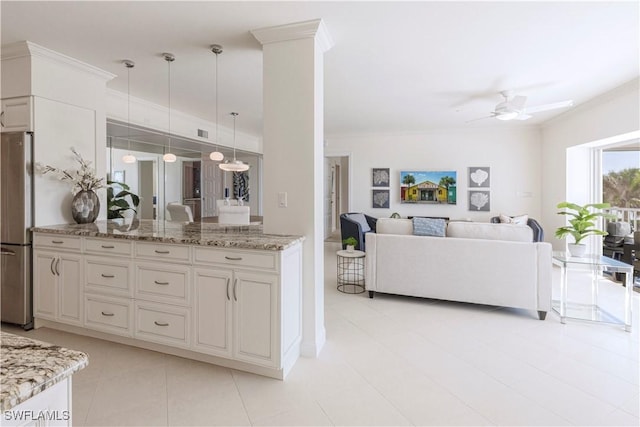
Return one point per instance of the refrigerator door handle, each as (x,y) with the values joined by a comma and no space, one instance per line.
(7,252)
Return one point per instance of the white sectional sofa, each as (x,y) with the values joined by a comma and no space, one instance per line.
(483,263)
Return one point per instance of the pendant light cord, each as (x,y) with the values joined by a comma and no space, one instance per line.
(129,106)
(169,103)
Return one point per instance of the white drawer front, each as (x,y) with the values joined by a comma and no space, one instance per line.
(108,246)
(108,276)
(255,259)
(55,241)
(113,315)
(163,251)
(162,324)
(162,283)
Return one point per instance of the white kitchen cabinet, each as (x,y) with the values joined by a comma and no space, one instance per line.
(16,115)
(212,311)
(58,286)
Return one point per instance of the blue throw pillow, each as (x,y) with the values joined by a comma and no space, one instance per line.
(429,227)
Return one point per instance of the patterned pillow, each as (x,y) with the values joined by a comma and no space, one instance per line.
(518,220)
(429,226)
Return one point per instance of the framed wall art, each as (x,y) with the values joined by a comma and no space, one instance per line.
(428,187)
(479,201)
(380,199)
(380,177)
(479,177)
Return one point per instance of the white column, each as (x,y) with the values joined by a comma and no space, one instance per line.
(293,154)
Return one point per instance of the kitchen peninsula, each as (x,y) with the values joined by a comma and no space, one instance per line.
(35,380)
(229,295)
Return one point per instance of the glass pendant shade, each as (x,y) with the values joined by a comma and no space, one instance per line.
(129,158)
(216,156)
(234,165)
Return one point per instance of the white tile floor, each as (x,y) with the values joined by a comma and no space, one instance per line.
(387,361)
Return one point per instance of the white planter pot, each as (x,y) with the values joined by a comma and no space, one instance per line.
(577,250)
(350,248)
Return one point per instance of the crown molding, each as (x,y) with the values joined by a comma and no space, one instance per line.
(28,49)
(315,29)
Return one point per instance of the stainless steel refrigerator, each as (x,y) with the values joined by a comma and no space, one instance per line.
(16,217)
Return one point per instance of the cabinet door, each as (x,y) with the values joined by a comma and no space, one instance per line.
(255,318)
(69,269)
(16,115)
(213,306)
(45,283)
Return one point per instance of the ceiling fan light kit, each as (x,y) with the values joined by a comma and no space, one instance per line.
(514,108)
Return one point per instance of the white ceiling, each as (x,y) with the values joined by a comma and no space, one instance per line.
(396,67)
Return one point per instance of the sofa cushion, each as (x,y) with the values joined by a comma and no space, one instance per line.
(489,231)
(519,219)
(360,219)
(429,226)
(394,226)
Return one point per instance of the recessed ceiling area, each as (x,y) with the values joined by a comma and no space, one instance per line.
(396,67)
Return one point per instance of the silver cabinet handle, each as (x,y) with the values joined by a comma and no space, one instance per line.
(58,266)
(160,283)
(228,280)
(108,246)
(53,260)
(235,285)
(233,258)
(107,314)
(107,276)
(1,119)
(7,252)
(162,252)
(57,242)
(160,324)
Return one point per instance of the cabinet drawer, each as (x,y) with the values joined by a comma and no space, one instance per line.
(157,282)
(107,314)
(108,246)
(163,251)
(108,276)
(57,241)
(255,259)
(162,323)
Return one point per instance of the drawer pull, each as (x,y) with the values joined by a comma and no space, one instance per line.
(160,283)
(108,246)
(162,252)
(161,324)
(107,314)
(57,242)
(108,276)
(233,258)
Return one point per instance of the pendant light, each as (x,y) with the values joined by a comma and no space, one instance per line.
(129,158)
(234,165)
(216,155)
(169,157)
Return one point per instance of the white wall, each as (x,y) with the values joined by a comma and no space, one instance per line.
(513,155)
(614,113)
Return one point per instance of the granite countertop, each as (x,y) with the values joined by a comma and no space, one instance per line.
(193,233)
(28,366)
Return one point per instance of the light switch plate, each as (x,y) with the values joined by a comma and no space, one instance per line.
(282,199)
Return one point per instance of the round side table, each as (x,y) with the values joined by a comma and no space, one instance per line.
(351,271)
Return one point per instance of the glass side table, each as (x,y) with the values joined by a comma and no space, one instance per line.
(592,311)
(351,271)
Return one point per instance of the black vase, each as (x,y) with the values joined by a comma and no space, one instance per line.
(85,207)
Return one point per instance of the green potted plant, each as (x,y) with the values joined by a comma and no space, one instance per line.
(351,243)
(117,203)
(581,224)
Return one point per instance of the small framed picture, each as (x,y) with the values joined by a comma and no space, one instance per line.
(380,199)
(118,176)
(380,177)
(479,177)
(479,201)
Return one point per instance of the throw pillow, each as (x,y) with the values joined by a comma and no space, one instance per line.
(360,219)
(518,220)
(429,226)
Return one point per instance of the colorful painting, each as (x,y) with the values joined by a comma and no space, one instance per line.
(380,199)
(428,187)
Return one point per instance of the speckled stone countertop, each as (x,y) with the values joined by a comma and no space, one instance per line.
(28,366)
(194,233)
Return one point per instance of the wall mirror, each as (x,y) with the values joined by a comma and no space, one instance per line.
(193,180)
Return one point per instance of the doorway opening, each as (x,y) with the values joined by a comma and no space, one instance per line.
(336,194)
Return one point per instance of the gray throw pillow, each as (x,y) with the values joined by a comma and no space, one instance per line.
(360,219)
(429,227)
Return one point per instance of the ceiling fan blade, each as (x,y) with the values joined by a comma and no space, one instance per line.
(523,116)
(518,102)
(481,118)
(546,107)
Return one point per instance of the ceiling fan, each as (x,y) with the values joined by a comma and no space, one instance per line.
(514,107)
